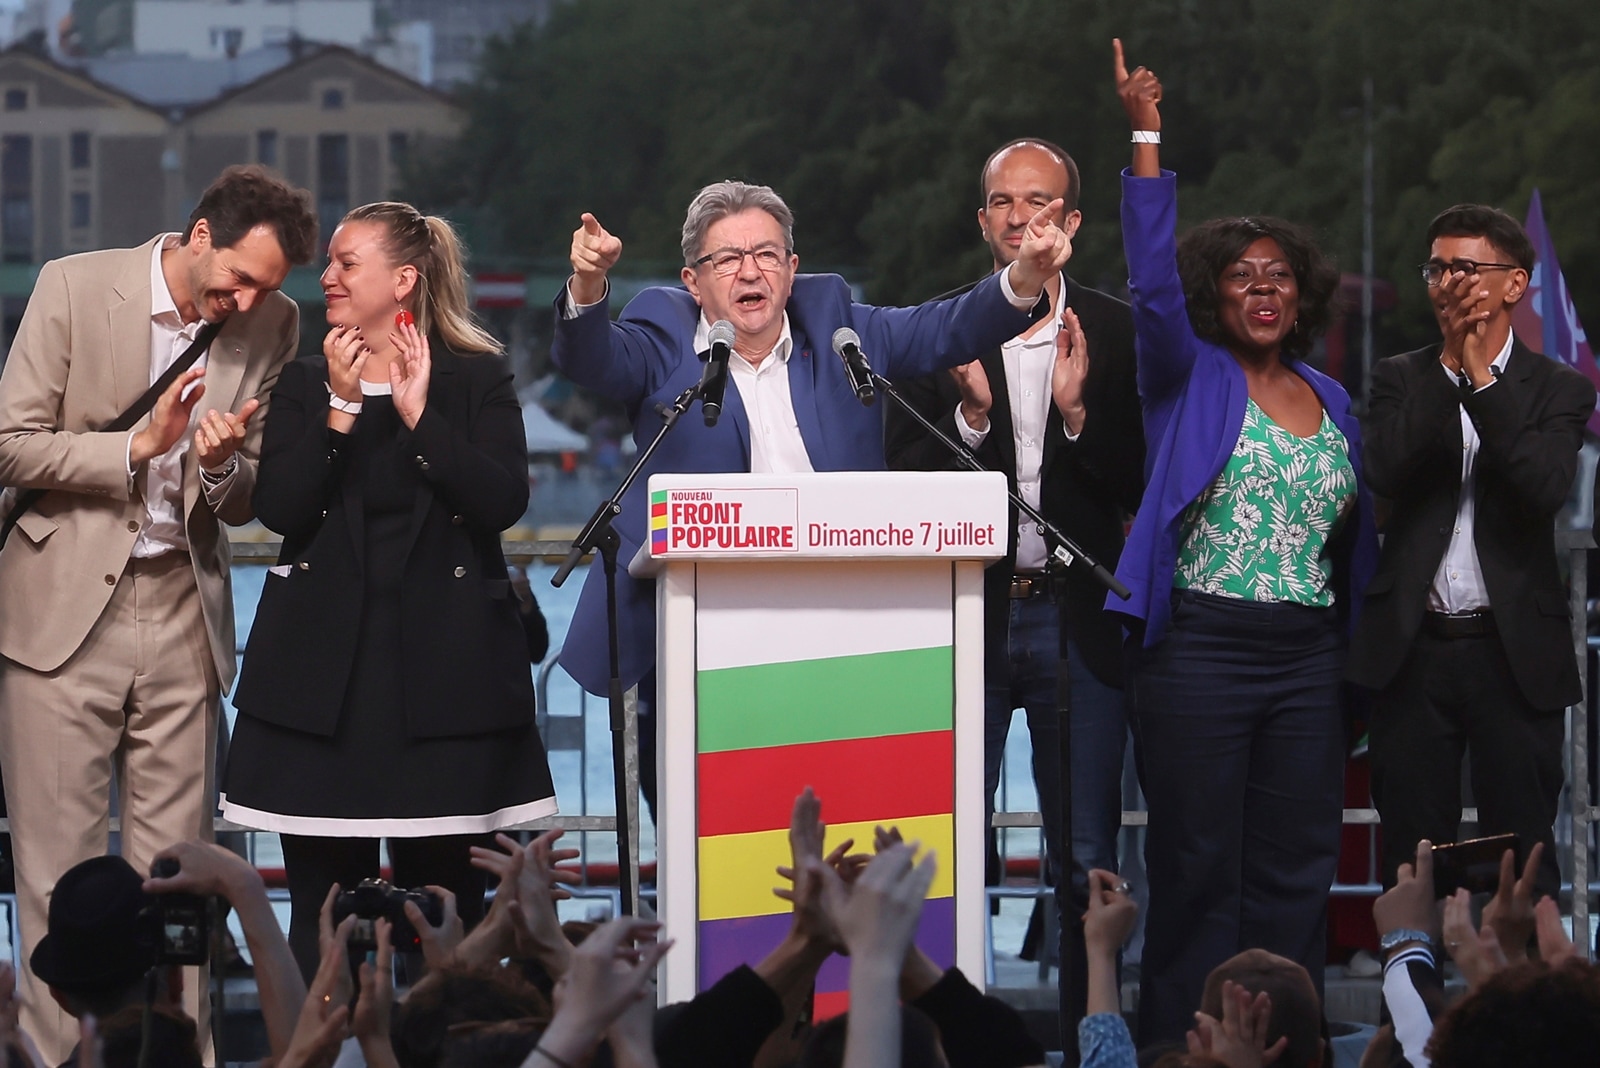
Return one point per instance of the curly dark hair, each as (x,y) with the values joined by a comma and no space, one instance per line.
(1207,250)
(248,195)
(1530,1014)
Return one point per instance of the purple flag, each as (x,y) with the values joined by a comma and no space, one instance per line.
(1545,320)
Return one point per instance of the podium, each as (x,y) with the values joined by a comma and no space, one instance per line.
(821,630)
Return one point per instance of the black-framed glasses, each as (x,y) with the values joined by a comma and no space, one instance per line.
(726,261)
(1433,271)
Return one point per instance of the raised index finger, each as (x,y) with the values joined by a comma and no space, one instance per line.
(1119,65)
(1529,871)
(1043,216)
(591,225)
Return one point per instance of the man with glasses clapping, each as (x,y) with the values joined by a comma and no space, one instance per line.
(1465,636)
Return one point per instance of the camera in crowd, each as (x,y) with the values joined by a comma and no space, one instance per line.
(179,925)
(374,899)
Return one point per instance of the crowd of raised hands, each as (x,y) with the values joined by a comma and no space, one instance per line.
(521,989)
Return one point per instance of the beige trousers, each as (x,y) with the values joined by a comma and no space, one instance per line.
(141,696)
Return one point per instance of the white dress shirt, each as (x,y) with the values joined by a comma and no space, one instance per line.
(1458,584)
(775,442)
(161,483)
(1029,364)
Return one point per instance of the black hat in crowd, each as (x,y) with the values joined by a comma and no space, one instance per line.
(94,938)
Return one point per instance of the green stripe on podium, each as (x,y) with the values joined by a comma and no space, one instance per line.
(830,699)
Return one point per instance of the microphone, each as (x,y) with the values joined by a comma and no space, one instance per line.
(847,343)
(714,379)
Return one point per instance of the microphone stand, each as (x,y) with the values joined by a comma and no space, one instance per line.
(1072,962)
(598,535)
(1064,550)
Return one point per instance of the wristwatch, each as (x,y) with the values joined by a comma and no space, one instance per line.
(1401,935)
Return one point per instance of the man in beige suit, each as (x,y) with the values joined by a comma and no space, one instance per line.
(116,610)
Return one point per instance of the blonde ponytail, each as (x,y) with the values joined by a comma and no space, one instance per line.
(430,244)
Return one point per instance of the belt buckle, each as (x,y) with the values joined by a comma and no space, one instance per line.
(1024,587)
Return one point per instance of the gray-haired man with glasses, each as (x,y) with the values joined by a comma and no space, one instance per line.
(1464,635)
(791,407)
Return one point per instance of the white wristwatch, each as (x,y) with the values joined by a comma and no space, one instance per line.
(338,403)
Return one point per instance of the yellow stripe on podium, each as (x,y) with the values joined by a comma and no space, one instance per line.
(737,871)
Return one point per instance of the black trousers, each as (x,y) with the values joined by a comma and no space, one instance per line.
(1452,697)
(1240,742)
(315,864)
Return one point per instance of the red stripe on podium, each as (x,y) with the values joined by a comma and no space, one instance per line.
(862,779)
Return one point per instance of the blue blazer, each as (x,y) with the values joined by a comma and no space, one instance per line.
(647,357)
(1194,393)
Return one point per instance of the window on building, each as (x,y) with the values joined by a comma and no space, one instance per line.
(332,99)
(16,100)
(399,149)
(79,150)
(16,198)
(79,205)
(333,181)
(267,148)
(227,39)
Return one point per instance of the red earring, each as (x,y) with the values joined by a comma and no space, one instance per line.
(403,318)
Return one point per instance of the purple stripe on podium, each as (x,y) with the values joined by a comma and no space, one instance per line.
(726,944)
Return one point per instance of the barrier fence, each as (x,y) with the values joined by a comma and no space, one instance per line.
(1575,820)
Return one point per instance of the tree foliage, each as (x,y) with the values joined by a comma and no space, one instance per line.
(872,118)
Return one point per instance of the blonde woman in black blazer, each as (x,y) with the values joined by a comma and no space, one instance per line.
(385,691)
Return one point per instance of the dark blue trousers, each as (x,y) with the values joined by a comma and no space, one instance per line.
(1239,738)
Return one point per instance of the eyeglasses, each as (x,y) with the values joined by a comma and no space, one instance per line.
(726,261)
(1433,271)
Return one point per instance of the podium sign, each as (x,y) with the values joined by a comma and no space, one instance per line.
(821,630)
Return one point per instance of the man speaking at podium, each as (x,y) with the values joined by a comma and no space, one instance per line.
(792,406)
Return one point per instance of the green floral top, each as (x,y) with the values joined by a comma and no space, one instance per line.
(1258,533)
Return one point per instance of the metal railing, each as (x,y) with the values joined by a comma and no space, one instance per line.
(1579,815)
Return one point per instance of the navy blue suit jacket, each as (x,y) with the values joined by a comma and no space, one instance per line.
(647,357)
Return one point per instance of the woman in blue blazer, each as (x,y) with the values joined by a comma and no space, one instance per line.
(1246,559)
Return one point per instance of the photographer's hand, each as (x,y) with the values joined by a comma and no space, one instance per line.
(1476,953)
(1555,945)
(321,1027)
(438,943)
(1510,911)
(610,971)
(327,937)
(14,1045)
(207,869)
(530,880)
(1409,903)
(370,1021)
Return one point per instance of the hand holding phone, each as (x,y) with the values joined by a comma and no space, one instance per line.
(1473,865)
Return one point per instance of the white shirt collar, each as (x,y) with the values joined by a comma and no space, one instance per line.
(1500,361)
(162,306)
(780,351)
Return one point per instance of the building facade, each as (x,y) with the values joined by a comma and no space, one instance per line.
(84,165)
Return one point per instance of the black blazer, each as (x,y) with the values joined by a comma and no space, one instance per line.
(1530,427)
(464,658)
(1087,487)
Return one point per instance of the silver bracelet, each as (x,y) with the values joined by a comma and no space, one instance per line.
(1147,137)
(338,403)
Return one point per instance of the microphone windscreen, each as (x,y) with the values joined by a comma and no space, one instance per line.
(845,336)
(721,333)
